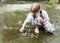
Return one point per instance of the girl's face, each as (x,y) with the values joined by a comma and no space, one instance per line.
(34,13)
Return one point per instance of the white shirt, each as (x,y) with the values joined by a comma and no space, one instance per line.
(31,19)
(45,15)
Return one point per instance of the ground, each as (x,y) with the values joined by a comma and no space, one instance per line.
(12,17)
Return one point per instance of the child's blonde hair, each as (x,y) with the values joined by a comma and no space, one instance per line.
(35,7)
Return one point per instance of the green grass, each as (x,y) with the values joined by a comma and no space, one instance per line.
(12,19)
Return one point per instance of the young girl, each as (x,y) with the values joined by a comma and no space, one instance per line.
(44,22)
(36,14)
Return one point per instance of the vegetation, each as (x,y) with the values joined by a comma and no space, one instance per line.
(15,19)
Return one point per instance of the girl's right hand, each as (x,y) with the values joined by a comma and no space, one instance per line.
(21,30)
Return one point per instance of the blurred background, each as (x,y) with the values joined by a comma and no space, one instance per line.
(23,1)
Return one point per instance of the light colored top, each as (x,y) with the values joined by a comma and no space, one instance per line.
(32,20)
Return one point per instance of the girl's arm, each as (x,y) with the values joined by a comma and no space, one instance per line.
(45,15)
(46,20)
(27,20)
(43,20)
(23,26)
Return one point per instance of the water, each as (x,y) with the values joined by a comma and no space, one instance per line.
(13,21)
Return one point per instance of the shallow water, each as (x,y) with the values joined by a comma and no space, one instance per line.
(11,34)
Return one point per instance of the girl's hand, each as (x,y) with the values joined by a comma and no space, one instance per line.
(42,20)
(21,30)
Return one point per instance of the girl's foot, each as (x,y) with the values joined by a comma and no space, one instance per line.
(36,31)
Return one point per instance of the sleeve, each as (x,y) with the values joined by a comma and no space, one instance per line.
(28,19)
(45,15)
